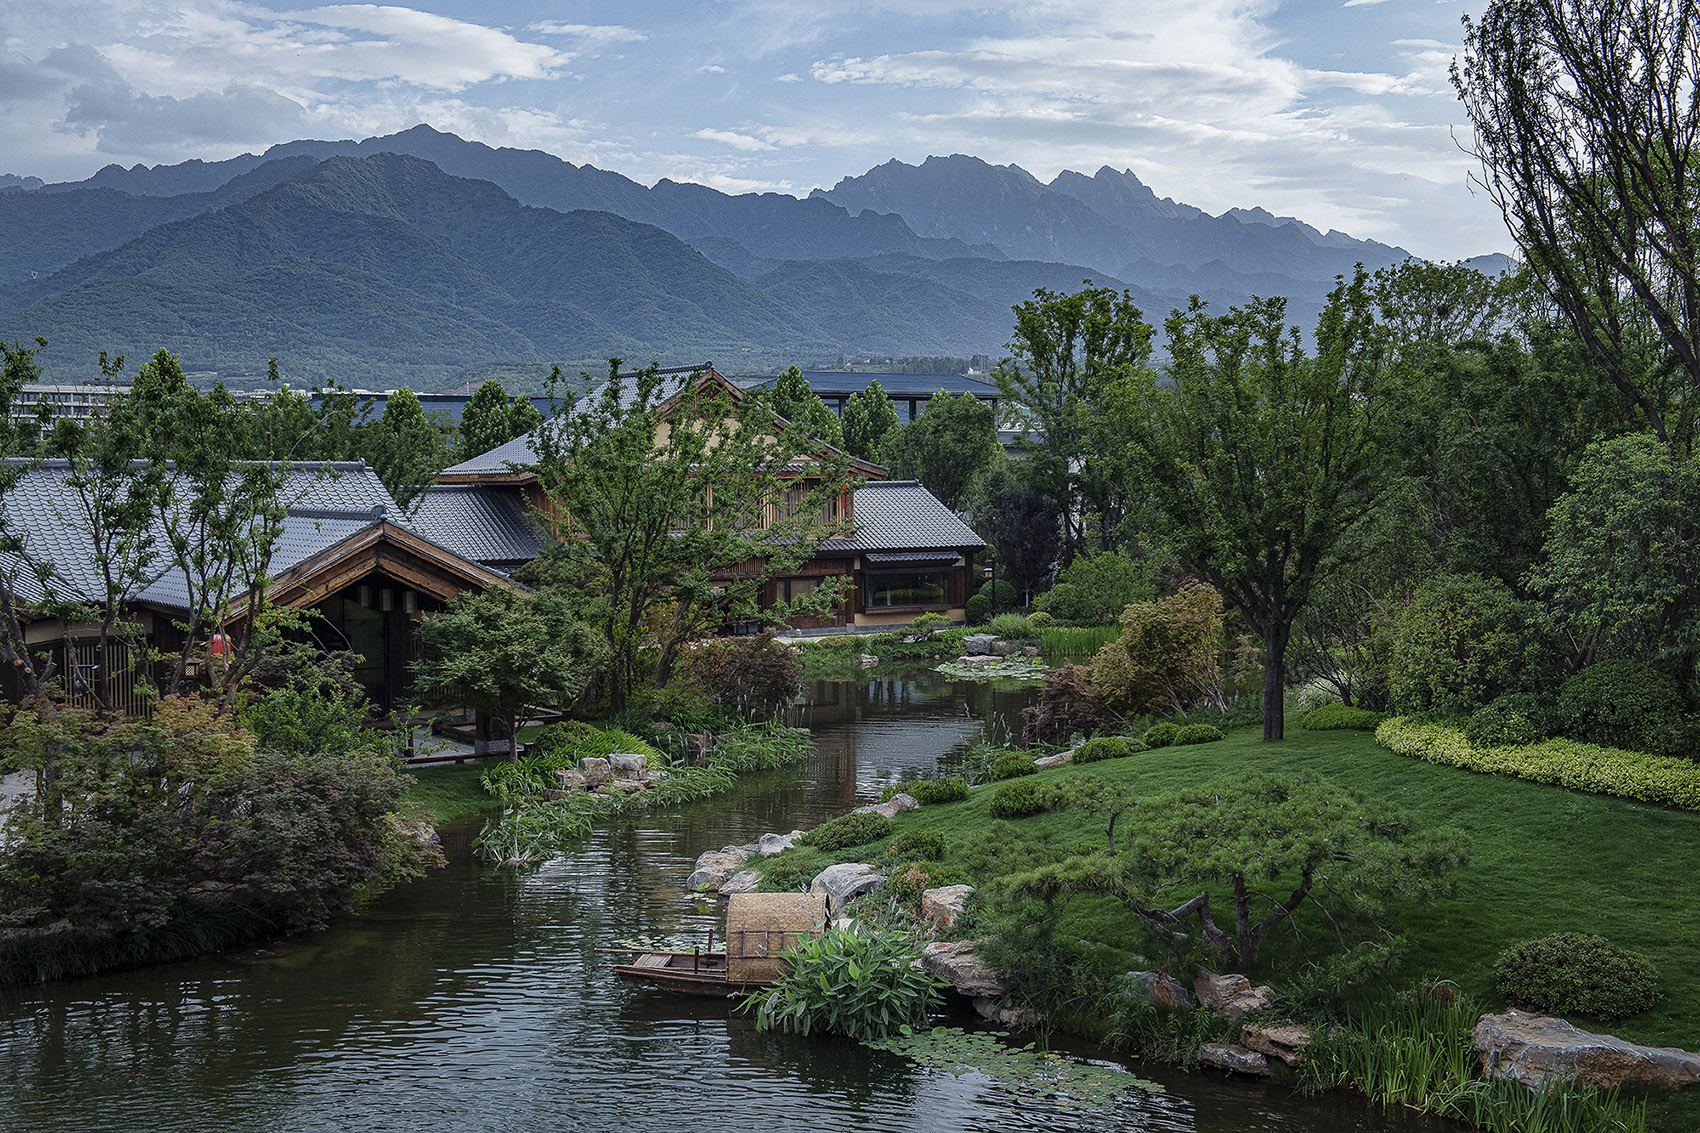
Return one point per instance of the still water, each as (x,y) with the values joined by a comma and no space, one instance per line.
(475,999)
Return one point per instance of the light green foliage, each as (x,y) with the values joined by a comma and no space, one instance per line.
(1010,766)
(868,417)
(1256,460)
(1161,735)
(848,982)
(1624,704)
(1229,841)
(909,879)
(1620,550)
(1574,973)
(1027,1070)
(1565,763)
(848,830)
(1167,658)
(949,448)
(1075,642)
(1096,587)
(408,448)
(791,871)
(1338,715)
(794,399)
(929,792)
(1107,747)
(650,522)
(500,651)
(1461,641)
(490,420)
(917,844)
(1022,800)
(1013,627)
(1197,734)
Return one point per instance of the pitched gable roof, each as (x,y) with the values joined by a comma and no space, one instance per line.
(485,524)
(901,515)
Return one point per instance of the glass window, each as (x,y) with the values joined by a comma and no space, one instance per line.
(909,588)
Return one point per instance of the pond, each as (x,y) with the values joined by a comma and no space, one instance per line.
(475,999)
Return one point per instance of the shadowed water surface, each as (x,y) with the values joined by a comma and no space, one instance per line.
(475,999)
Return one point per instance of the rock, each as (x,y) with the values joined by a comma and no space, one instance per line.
(1159,989)
(1001,648)
(746,849)
(943,905)
(772,845)
(1232,1058)
(550,795)
(978,643)
(570,778)
(1016,1016)
(1286,1041)
(1056,760)
(628,764)
(868,661)
(845,882)
(954,962)
(1231,996)
(891,808)
(1030,651)
(656,776)
(903,802)
(595,770)
(1526,1048)
(744,881)
(715,867)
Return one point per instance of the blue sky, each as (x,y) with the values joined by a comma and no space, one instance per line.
(1338,112)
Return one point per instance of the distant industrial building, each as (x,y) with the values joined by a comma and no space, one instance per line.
(909,393)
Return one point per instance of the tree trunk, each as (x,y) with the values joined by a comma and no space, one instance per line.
(1276,635)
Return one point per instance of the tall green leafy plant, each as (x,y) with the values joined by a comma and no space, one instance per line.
(859,984)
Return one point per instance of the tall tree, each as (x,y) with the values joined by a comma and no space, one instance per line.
(868,417)
(795,400)
(408,448)
(487,421)
(949,448)
(20,575)
(1068,353)
(1255,460)
(1588,128)
(673,501)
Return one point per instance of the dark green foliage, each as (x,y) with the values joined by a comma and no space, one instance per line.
(921,843)
(1573,973)
(1197,734)
(848,982)
(759,674)
(929,792)
(408,448)
(1023,524)
(868,417)
(1623,704)
(977,609)
(848,830)
(1095,588)
(1011,766)
(791,871)
(1461,641)
(1001,592)
(948,448)
(791,398)
(1022,800)
(489,421)
(910,879)
(1515,718)
(1337,715)
(1161,735)
(1106,747)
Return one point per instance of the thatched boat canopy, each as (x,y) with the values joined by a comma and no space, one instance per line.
(759,926)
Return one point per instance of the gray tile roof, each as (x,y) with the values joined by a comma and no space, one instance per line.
(484,523)
(900,515)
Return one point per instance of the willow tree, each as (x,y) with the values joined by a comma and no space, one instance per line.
(1254,459)
(673,500)
(1587,125)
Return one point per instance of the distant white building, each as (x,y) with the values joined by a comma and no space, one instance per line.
(78,402)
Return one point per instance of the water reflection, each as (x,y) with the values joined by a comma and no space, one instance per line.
(475,999)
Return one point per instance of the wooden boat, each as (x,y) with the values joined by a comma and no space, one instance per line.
(759,927)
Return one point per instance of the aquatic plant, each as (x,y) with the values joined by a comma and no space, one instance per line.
(863,985)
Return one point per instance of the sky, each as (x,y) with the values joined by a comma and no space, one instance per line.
(1338,112)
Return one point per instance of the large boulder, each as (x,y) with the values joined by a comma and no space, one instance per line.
(595,770)
(943,905)
(772,845)
(1526,1048)
(1232,1058)
(1056,760)
(1231,996)
(844,882)
(1286,1041)
(714,867)
(978,644)
(891,808)
(1159,989)
(1015,1016)
(744,881)
(954,962)
(628,764)
(570,779)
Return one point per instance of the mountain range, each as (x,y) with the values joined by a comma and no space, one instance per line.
(418,257)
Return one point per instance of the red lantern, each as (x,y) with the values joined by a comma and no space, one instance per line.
(219,646)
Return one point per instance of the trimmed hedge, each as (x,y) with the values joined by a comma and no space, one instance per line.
(1160,735)
(917,844)
(1107,747)
(1659,779)
(848,830)
(1573,973)
(1011,766)
(1331,717)
(1198,734)
(929,792)
(1022,800)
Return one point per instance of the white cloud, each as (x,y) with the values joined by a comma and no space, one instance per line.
(711,69)
(734,139)
(595,33)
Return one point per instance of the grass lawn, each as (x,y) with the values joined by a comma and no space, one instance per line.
(450,791)
(1543,859)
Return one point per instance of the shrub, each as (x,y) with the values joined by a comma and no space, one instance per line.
(1040,621)
(1168,657)
(1095,588)
(848,982)
(1335,716)
(1565,763)
(1515,718)
(1067,707)
(977,609)
(1571,973)
(930,792)
(758,673)
(1461,641)
(1011,766)
(1006,597)
(1013,627)
(929,622)
(908,881)
(1197,734)
(1161,735)
(848,830)
(917,844)
(1106,747)
(790,872)
(1022,800)
(1623,704)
